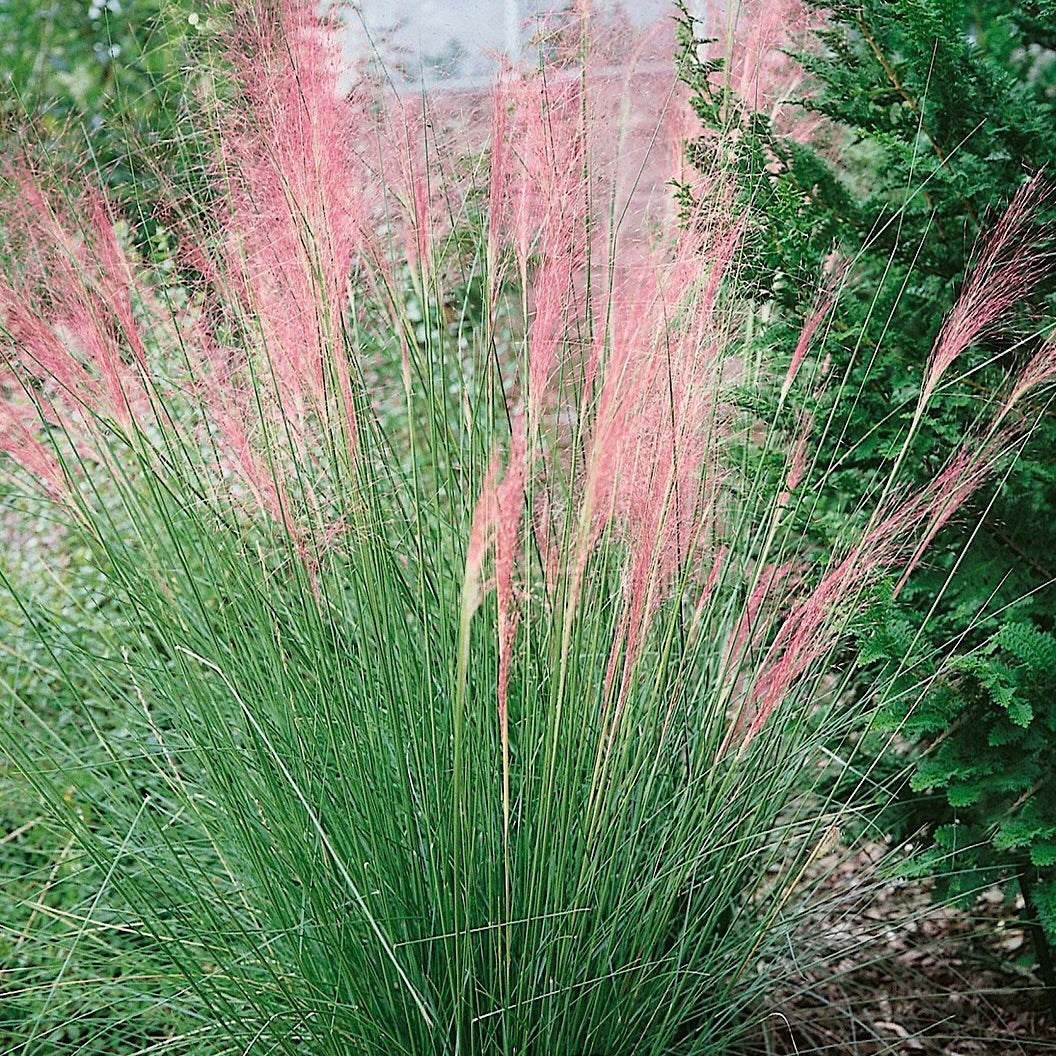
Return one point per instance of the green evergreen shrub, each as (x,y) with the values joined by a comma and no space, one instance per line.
(927,115)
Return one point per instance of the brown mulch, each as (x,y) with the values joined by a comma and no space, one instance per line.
(881,970)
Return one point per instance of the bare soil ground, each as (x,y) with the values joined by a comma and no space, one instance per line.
(889,973)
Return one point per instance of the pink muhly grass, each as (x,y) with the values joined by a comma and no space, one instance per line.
(72,327)
(810,630)
(653,473)
(421,187)
(116,278)
(754,38)
(71,318)
(543,533)
(297,199)
(1039,371)
(481,534)
(500,161)
(641,597)
(966,472)
(797,461)
(536,192)
(752,625)
(647,405)
(1006,271)
(72,353)
(80,320)
(497,519)
(826,300)
(718,565)
(764,74)
(552,292)
(537,198)
(228,399)
(896,540)
(44,353)
(496,522)
(20,441)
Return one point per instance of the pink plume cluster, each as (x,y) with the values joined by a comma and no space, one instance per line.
(634,327)
(85,324)
(1006,270)
(298,202)
(496,521)
(68,328)
(650,370)
(1003,274)
(654,470)
(537,207)
(894,542)
(753,37)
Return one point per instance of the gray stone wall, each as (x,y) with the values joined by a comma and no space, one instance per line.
(460,41)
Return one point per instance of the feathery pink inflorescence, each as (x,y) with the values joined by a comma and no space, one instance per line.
(654,470)
(228,397)
(20,441)
(762,71)
(496,521)
(71,317)
(81,321)
(797,461)
(966,472)
(422,145)
(297,192)
(536,200)
(1005,272)
(67,329)
(896,541)
(648,417)
(650,467)
(537,191)
(481,534)
(826,299)
(755,622)
(1007,269)
(1039,371)
(754,38)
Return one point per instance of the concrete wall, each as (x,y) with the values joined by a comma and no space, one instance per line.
(460,41)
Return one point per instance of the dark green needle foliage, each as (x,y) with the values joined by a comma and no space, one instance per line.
(925,118)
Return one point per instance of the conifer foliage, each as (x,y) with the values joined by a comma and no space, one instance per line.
(922,119)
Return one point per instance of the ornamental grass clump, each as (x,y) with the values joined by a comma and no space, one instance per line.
(481,677)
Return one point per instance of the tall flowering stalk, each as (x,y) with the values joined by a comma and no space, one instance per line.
(476,725)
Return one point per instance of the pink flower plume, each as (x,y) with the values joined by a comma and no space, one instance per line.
(297,196)
(1039,371)
(898,538)
(1007,270)
(496,520)
(825,301)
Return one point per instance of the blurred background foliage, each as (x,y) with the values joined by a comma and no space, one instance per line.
(107,85)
